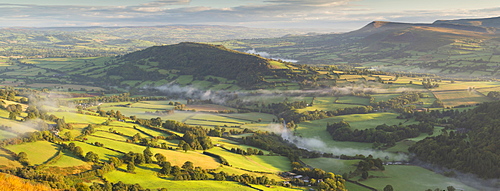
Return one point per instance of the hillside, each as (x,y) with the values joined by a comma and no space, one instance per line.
(448,48)
(485,22)
(201,66)
(471,146)
(193,59)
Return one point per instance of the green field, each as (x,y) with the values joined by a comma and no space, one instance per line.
(316,137)
(7,160)
(411,178)
(69,160)
(252,116)
(336,166)
(104,154)
(255,162)
(38,152)
(354,187)
(145,175)
(70,117)
(334,103)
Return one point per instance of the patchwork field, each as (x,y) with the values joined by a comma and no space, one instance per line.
(149,179)
(398,177)
(336,166)
(272,164)
(38,152)
(457,98)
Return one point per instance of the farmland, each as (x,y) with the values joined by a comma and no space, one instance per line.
(113,118)
(115,136)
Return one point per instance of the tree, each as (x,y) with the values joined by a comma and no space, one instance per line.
(78,151)
(91,157)
(188,165)
(437,103)
(388,188)
(13,115)
(116,162)
(147,155)
(160,158)
(186,147)
(68,135)
(22,157)
(450,188)
(130,167)
(139,158)
(364,175)
(136,137)
(166,167)
(82,187)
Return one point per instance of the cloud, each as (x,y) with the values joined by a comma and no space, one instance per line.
(162,3)
(335,14)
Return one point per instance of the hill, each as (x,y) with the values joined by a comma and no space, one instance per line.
(484,22)
(202,66)
(194,59)
(448,48)
(470,146)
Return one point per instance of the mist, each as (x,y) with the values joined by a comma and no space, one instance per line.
(466,178)
(222,97)
(27,126)
(316,144)
(267,55)
(189,92)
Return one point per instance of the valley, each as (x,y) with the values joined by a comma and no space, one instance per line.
(359,111)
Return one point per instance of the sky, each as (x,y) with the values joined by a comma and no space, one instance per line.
(333,15)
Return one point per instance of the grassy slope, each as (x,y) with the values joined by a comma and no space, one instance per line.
(145,175)
(38,152)
(412,178)
(336,166)
(7,160)
(255,163)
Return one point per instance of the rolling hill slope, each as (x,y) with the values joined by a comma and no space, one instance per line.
(193,59)
(470,47)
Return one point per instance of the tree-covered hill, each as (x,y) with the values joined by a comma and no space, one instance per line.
(196,59)
(472,145)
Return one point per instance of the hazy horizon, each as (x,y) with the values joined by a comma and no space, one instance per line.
(327,15)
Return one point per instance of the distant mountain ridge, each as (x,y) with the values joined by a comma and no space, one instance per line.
(477,25)
(483,22)
(464,48)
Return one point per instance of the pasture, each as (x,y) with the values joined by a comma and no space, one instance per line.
(104,154)
(7,161)
(313,134)
(411,178)
(337,166)
(145,175)
(257,163)
(209,108)
(71,117)
(38,152)
(460,97)
(235,170)
(69,160)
